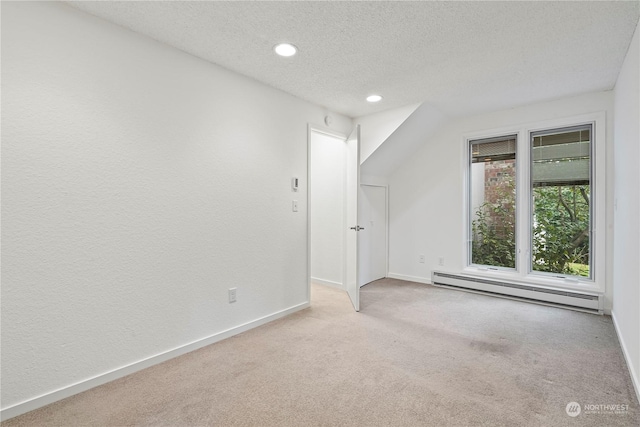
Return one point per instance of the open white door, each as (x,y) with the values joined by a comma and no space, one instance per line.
(351,195)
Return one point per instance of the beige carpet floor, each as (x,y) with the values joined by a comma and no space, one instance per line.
(416,355)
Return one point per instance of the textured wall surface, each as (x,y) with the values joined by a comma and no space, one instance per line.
(626,264)
(139,183)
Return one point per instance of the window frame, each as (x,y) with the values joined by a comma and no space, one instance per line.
(523,272)
(592,201)
(469,197)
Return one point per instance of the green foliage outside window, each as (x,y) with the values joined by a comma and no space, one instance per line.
(560,231)
(494,229)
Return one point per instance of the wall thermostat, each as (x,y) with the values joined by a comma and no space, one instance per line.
(294,183)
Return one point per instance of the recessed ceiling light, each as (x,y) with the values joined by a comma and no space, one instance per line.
(374,98)
(285,49)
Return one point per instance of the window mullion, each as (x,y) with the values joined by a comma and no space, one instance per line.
(523,229)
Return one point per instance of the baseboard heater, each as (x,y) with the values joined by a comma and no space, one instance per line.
(574,300)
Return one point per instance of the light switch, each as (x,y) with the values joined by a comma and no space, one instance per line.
(294,206)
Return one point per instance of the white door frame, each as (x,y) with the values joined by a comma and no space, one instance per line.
(322,130)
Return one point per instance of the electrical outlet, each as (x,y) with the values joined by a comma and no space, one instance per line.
(232,295)
(441,260)
(421,259)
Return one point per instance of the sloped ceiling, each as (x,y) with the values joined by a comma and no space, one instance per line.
(376,128)
(403,142)
(460,57)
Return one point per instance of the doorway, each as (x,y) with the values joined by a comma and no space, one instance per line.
(326,208)
(333,211)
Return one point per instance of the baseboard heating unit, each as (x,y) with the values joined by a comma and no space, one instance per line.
(590,302)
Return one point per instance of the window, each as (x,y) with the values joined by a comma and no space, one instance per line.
(561,205)
(493,201)
(531,202)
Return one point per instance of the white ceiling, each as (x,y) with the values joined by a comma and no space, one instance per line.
(460,57)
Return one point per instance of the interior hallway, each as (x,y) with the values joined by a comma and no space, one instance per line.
(415,355)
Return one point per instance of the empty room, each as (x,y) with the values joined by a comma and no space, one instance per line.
(320,213)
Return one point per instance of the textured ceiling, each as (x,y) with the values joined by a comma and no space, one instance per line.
(460,57)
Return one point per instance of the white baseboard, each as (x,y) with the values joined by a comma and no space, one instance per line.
(410,278)
(328,283)
(635,380)
(62,393)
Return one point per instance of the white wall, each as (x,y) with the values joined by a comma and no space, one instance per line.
(139,183)
(327,160)
(626,262)
(426,211)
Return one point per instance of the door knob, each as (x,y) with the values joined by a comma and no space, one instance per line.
(357,228)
